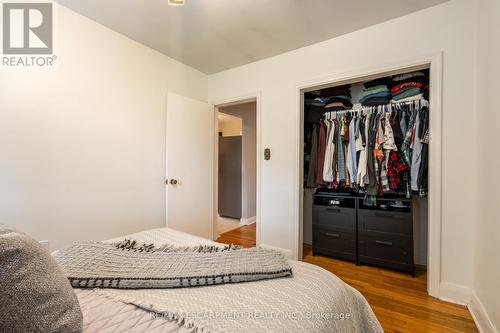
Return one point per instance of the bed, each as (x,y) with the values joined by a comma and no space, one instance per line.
(313,300)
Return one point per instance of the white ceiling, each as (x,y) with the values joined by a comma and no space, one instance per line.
(214,35)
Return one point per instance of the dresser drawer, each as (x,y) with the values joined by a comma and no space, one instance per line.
(393,222)
(335,242)
(331,216)
(381,248)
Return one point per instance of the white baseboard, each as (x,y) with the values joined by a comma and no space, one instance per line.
(465,296)
(454,293)
(247,221)
(287,253)
(480,316)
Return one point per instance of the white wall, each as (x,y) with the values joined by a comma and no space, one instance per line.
(487,260)
(248,113)
(448,28)
(82,145)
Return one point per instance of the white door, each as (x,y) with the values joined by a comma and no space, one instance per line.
(190,163)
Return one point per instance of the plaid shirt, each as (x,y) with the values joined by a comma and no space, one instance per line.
(395,167)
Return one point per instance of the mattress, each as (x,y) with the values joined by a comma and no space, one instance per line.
(311,287)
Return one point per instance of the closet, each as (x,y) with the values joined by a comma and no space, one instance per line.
(366,170)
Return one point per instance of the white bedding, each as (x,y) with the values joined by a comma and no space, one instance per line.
(312,300)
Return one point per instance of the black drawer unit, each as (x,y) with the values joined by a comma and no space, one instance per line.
(385,249)
(385,234)
(334,217)
(339,243)
(334,226)
(392,222)
(382,235)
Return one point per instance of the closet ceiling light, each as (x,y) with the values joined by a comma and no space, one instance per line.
(176,2)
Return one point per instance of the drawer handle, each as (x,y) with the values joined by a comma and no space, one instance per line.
(335,210)
(383,215)
(383,242)
(329,234)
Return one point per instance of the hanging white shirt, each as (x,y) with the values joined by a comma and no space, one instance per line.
(329,151)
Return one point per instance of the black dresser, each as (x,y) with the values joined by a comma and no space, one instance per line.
(382,235)
(334,226)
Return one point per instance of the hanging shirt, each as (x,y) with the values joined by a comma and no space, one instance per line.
(351,151)
(361,178)
(329,151)
(389,143)
(416,156)
(371,189)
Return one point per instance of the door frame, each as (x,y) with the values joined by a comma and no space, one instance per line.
(433,61)
(242,99)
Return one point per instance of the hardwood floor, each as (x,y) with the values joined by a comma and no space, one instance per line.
(399,301)
(244,236)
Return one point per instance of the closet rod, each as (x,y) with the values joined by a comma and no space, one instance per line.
(421,102)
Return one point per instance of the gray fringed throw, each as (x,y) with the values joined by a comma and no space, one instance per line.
(133,245)
(100,265)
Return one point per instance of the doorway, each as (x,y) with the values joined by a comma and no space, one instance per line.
(434,64)
(236,166)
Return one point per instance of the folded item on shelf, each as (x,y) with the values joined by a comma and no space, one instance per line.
(313,102)
(409,99)
(335,106)
(334,102)
(407,76)
(376,99)
(405,93)
(375,90)
(404,85)
(422,79)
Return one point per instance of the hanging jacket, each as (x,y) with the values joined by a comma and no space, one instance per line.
(321,153)
(313,164)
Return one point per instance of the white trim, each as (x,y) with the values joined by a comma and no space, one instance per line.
(216,173)
(435,166)
(480,316)
(454,293)
(287,253)
(248,221)
(435,199)
(250,97)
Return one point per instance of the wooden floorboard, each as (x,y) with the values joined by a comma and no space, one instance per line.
(399,301)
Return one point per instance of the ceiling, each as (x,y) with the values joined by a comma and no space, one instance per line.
(214,35)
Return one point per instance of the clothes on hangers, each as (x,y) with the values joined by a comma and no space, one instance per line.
(378,150)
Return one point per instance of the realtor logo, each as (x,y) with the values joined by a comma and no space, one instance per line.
(27,28)
(28,34)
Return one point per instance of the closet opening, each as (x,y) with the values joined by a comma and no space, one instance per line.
(236,176)
(365,172)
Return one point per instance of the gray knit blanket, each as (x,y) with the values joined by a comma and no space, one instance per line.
(126,266)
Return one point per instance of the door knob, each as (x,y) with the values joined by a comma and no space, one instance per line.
(173,181)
